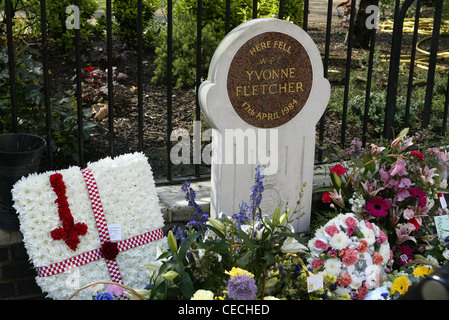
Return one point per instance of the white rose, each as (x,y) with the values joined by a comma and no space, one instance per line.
(203,295)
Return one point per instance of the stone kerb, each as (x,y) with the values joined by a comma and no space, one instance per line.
(293,144)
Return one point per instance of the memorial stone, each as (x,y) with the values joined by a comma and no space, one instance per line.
(264,94)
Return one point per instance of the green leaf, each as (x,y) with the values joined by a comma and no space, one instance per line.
(186,285)
(246,240)
(243,261)
(221,247)
(187,243)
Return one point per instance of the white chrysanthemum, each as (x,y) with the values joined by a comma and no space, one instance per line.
(339,241)
(384,251)
(369,235)
(333,266)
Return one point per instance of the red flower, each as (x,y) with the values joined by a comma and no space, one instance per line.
(89,69)
(109,250)
(417,193)
(418,154)
(378,207)
(326,197)
(338,169)
(415,223)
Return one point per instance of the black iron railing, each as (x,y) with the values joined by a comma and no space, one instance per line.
(400,12)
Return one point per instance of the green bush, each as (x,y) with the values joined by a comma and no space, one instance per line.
(184,52)
(376,113)
(125,22)
(57,17)
(213,19)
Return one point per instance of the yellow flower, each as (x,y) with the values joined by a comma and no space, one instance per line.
(422,271)
(238,272)
(400,284)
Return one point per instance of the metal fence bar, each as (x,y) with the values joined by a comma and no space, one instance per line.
(110,76)
(412,64)
(281,9)
(446,108)
(79,94)
(348,74)
(368,82)
(169,83)
(432,62)
(394,66)
(326,73)
(228,17)
(254,9)
(139,75)
(11,63)
(48,121)
(306,15)
(199,28)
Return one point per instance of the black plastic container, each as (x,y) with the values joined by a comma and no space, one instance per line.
(20,155)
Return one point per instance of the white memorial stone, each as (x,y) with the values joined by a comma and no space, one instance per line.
(265,86)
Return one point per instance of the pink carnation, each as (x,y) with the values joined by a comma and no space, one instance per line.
(382,237)
(351,222)
(363,246)
(350,231)
(316,263)
(377,258)
(331,230)
(321,245)
(345,279)
(350,257)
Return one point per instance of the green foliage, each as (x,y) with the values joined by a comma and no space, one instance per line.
(184,52)
(376,112)
(213,19)
(57,18)
(125,13)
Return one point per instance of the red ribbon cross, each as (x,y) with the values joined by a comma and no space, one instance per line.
(70,231)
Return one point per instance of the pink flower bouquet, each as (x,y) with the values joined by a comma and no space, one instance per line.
(353,250)
(398,187)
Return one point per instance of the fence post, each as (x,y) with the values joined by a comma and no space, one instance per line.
(432,63)
(11,63)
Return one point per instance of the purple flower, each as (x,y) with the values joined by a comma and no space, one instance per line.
(104,296)
(242,287)
(405,254)
(378,207)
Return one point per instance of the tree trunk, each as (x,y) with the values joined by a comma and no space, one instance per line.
(361,35)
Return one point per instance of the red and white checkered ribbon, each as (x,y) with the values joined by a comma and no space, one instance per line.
(96,254)
(103,232)
(102,225)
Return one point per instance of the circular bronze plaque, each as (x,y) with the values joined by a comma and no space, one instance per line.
(269,79)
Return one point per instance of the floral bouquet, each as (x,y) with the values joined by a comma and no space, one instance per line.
(355,251)
(242,256)
(399,188)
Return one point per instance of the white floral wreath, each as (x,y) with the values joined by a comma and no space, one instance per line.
(353,250)
(129,199)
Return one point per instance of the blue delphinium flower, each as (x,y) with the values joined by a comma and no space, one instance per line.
(104,296)
(199,218)
(242,287)
(248,212)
